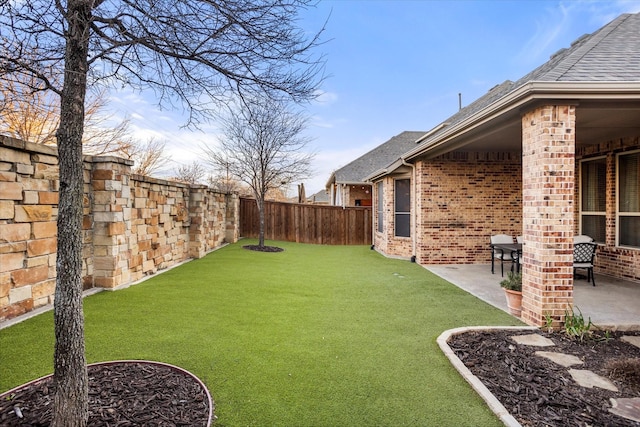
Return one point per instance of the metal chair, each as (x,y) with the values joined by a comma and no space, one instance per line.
(583,255)
(497,253)
(517,259)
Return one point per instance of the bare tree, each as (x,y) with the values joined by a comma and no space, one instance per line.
(225,184)
(193,53)
(191,174)
(27,115)
(148,157)
(34,116)
(102,135)
(263,146)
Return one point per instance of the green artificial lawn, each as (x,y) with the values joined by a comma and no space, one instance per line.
(312,336)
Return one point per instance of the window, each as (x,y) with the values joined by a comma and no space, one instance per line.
(628,199)
(593,184)
(380,207)
(403,207)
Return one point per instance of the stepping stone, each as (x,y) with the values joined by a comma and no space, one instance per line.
(626,408)
(536,340)
(561,359)
(590,379)
(631,339)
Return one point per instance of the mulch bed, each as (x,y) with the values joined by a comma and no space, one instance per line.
(539,392)
(120,394)
(263,248)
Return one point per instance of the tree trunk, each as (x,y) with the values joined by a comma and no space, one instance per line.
(260,202)
(70,371)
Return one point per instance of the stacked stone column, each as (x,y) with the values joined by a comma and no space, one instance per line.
(197,212)
(548,160)
(111,194)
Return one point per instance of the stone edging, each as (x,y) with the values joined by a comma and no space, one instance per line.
(493,403)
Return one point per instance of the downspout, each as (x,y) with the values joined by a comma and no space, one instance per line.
(374,214)
(415,208)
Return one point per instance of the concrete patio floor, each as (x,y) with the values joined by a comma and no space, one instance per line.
(611,304)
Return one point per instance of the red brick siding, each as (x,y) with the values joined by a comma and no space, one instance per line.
(464,199)
(386,242)
(548,161)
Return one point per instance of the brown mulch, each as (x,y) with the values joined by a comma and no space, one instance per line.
(539,392)
(120,394)
(265,248)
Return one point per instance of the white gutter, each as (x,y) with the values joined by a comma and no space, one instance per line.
(526,93)
(431,132)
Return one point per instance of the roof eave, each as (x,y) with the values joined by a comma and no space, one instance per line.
(385,171)
(529,92)
(331,180)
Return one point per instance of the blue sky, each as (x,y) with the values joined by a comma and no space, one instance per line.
(396,65)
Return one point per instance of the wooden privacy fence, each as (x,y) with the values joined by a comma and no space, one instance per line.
(302,223)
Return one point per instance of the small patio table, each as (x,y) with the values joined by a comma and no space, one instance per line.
(514,248)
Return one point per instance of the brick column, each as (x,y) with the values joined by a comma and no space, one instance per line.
(548,163)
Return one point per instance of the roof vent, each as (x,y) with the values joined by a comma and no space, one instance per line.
(577,41)
(558,52)
(580,39)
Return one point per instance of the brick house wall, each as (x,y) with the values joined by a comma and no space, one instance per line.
(133,226)
(358,192)
(386,241)
(349,193)
(464,198)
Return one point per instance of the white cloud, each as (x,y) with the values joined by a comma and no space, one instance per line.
(548,29)
(561,21)
(325,98)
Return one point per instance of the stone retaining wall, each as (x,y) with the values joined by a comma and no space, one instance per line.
(133,225)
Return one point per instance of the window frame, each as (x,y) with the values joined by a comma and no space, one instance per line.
(620,214)
(402,213)
(583,213)
(380,206)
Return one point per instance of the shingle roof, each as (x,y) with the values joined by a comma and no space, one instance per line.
(320,197)
(610,54)
(381,156)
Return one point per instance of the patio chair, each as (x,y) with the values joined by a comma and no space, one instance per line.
(583,255)
(519,239)
(497,253)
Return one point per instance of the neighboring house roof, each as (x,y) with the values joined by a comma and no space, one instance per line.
(320,197)
(606,62)
(356,171)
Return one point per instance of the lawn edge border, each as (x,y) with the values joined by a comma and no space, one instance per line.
(493,403)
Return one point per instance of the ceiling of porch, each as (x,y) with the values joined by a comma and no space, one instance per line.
(596,121)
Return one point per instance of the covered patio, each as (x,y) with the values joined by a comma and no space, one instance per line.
(611,304)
